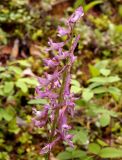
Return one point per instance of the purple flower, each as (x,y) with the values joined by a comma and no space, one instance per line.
(62,55)
(45,94)
(76,15)
(39,123)
(41,114)
(51,63)
(55,46)
(49,146)
(63,31)
(75,43)
(43,81)
(55,86)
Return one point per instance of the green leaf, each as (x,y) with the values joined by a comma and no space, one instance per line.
(71,154)
(24,63)
(102,143)
(80,137)
(15,69)
(94,148)
(99,90)
(75,89)
(37,101)
(8,87)
(87,94)
(116,93)
(31,81)
(22,85)
(110,152)
(92,4)
(13,127)
(9,113)
(75,83)
(105,80)
(102,64)
(105,72)
(105,120)
(94,71)
(64,155)
(78,154)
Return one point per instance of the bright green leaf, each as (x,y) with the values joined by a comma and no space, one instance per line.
(37,101)
(105,120)
(92,4)
(94,71)
(22,85)
(8,87)
(110,152)
(94,148)
(105,72)
(87,94)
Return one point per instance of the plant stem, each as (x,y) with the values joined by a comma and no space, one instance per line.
(60,100)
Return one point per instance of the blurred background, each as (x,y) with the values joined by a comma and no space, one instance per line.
(25,26)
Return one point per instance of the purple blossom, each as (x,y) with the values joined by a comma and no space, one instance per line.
(55,46)
(55,86)
(49,146)
(45,94)
(51,63)
(62,55)
(63,31)
(76,15)
(43,81)
(39,123)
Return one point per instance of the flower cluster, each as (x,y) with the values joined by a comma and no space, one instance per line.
(56,87)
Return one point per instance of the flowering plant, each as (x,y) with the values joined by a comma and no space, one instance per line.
(56,87)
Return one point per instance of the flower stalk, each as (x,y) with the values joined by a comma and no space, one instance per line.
(56,88)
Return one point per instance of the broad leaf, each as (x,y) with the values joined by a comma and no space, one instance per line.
(110,152)
(94,148)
